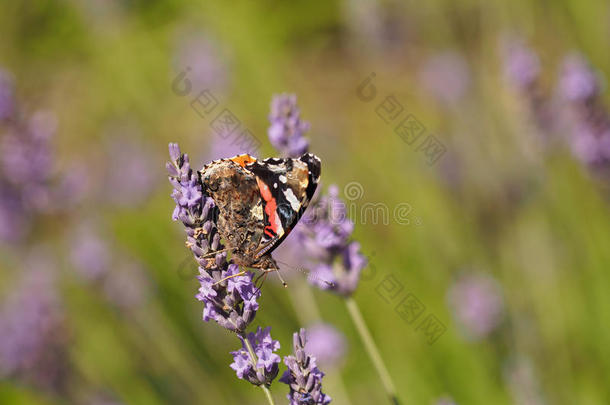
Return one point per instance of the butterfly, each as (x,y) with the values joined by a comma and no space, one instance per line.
(259,202)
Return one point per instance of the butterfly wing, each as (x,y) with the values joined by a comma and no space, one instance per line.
(286,187)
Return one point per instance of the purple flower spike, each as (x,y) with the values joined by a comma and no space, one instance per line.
(264,366)
(303,375)
(229,298)
(325,235)
(586,114)
(521,64)
(446,76)
(27,183)
(578,82)
(34,338)
(477,305)
(286,130)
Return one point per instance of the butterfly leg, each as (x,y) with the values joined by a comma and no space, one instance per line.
(214,253)
(268,265)
(241,273)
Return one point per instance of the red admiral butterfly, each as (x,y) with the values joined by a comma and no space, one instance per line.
(259,202)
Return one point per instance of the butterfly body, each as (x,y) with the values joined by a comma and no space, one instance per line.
(259,202)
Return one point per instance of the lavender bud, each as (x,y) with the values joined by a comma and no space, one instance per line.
(263,367)
(287,130)
(303,376)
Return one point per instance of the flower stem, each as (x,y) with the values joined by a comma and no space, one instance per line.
(254,360)
(268,394)
(371,349)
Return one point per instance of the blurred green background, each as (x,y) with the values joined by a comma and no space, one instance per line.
(507,201)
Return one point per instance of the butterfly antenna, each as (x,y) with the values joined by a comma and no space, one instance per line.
(276,269)
(281,279)
(329,283)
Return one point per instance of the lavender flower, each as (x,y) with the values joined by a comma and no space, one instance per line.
(33,339)
(522,71)
(256,361)
(326,231)
(205,66)
(446,76)
(287,129)
(326,344)
(26,175)
(477,305)
(231,302)
(13,221)
(229,299)
(27,158)
(521,64)
(131,172)
(303,375)
(7,102)
(586,115)
(89,252)
(127,285)
(578,82)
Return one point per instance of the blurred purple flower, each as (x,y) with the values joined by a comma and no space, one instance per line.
(126,286)
(223,147)
(7,101)
(262,369)
(335,261)
(303,375)
(231,302)
(89,253)
(521,64)
(34,334)
(578,82)
(131,172)
(13,221)
(477,305)
(206,68)
(287,129)
(326,344)
(73,186)
(585,114)
(446,76)
(27,160)
(26,174)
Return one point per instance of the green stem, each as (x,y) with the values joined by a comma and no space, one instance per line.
(254,360)
(268,394)
(371,349)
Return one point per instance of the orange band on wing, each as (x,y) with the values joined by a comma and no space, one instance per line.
(270,207)
(243,160)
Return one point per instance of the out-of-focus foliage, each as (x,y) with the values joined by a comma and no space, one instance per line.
(504,239)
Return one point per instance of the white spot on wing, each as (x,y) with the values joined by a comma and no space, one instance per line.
(292,199)
(283,179)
